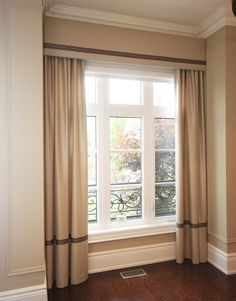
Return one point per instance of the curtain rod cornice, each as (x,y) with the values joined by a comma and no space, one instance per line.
(123,54)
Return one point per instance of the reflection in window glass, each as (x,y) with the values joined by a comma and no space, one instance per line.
(124,91)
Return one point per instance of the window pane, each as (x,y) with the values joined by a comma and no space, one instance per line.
(163,94)
(164,166)
(90,89)
(92,168)
(165,203)
(92,205)
(91,132)
(126,204)
(125,133)
(125,167)
(124,91)
(164,133)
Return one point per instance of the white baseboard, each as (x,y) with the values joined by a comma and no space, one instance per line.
(128,257)
(226,263)
(34,293)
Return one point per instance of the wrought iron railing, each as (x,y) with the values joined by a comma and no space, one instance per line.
(126,203)
(92,206)
(165,201)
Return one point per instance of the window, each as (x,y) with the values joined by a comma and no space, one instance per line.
(131,147)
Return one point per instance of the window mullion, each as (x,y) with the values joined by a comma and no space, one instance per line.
(149,159)
(104,187)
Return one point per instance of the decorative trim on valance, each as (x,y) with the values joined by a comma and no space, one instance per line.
(124,54)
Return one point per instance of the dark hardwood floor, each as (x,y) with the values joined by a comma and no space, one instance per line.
(165,282)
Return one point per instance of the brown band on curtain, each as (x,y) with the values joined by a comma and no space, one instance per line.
(66,240)
(79,239)
(123,54)
(196,226)
(62,241)
(57,242)
(49,242)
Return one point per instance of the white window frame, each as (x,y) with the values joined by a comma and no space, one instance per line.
(149,224)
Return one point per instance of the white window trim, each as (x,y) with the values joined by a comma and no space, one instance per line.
(96,236)
(148,225)
(140,72)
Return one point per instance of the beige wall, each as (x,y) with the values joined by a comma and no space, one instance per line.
(22,261)
(230,132)
(80,34)
(216,135)
(221,140)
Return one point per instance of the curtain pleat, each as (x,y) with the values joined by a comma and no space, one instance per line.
(65,172)
(191,211)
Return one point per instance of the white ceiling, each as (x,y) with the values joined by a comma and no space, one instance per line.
(189,17)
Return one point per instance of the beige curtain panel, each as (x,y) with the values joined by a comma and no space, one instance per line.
(191,212)
(65,172)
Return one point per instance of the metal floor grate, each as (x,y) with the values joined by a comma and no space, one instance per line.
(133,273)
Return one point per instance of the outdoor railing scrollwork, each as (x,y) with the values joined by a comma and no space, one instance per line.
(126,202)
(165,200)
(92,206)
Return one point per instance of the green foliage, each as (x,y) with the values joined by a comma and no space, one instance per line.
(164,133)
(125,135)
(165,166)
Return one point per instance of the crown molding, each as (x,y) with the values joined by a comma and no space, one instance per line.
(213,23)
(219,19)
(104,18)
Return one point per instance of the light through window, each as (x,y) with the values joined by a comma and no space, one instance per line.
(131,148)
(126,168)
(123,91)
(92,168)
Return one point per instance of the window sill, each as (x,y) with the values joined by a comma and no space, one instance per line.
(96,236)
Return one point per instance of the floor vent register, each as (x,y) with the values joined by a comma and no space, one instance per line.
(133,273)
